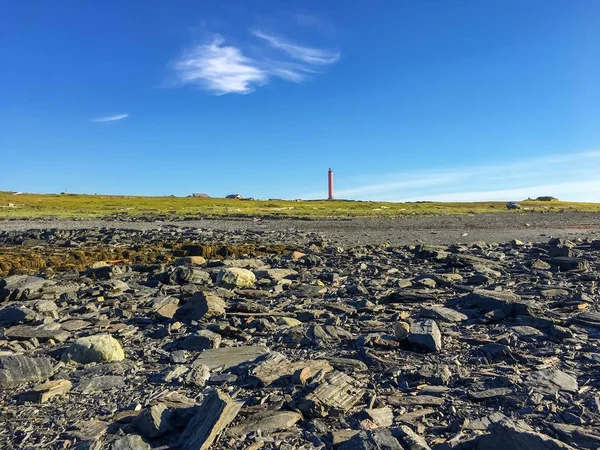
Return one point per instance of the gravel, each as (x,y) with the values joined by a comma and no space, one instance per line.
(406,230)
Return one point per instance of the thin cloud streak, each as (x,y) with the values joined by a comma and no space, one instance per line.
(590,189)
(225,69)
(308,55)
(502,181)
(111,118)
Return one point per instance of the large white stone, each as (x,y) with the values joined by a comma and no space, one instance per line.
(236,277)
(97,348)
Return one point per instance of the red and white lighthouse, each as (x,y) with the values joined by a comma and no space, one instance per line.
(330,179)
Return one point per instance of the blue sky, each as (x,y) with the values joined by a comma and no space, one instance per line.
(405,100)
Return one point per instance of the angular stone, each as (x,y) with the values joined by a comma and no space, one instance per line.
(435,373)
(334,396)
(170,374)
(13,315)
(198,375)
(401,330)
(17,369)
(153,421)
(202,305)
(165,306)
(45,391)
(409,439)
(214,415)
(567,263)
(97,348)
(201,340)
(426,336)
(236,277)
(487,300)
(130,442)
(267,422)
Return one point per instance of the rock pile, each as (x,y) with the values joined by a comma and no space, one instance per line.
(486,346)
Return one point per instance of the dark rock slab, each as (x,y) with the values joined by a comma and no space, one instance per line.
(426,336)
(18,369)
(509,435)
(213,417)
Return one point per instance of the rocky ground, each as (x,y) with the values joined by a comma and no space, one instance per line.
(294,338)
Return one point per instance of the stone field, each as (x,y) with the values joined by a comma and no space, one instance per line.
(288,339)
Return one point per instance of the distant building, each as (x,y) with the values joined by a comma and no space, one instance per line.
(547,198)
(200,195)
(236,196)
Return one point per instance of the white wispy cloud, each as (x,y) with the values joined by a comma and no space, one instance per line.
(309,55)
(571,176)
(224,69)
(220,68)
(111,118)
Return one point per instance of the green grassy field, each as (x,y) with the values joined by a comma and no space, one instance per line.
(88,206)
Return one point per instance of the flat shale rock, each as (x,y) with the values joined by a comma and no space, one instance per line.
(41,332)
(267,422)
(228,357)
(18,369)
(97,348)
(22,287)
(578,436)
(443,314)
(382,417)
(99,384)
(275,367)
(568,263)
(487,300)
(489,394)
(212,417)
(334,396)
(508,435)
(551,381)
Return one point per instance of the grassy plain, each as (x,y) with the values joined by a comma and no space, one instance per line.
(90,206)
